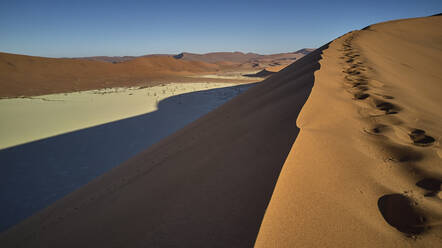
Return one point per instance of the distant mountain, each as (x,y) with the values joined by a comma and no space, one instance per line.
(113,59)
(118,59)
(305,51)
(235,57)
(254,59)
(246,60)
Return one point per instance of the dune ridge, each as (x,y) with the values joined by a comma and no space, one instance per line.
(366,167)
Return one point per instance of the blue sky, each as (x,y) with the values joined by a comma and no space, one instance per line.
(67,28)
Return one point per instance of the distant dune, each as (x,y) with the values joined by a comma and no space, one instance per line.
(262,73)
(22,75)
(364,171)
(27,75)
(234,57)
(246,59)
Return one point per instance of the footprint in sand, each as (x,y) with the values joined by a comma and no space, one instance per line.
(398,211)
(401,154)
(387,97)
(353,72)
(420,139)
(360,96)
(376,130)
(361,88)
(433,185)
(389,108)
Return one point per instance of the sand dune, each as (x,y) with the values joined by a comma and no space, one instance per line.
(205,186)
(368,154)
(22,75)
(29,76)
(364,170)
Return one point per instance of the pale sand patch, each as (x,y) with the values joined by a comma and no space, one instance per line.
(28,119)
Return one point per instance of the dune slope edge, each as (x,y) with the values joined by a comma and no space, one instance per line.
(205,186)
(365,169)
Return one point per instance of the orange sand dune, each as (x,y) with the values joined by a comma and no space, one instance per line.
(22,75)
(366,168)
(27,75)
(364,171)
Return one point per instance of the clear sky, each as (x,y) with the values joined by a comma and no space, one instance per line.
(68,28)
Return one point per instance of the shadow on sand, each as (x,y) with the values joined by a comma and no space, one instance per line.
(34,175)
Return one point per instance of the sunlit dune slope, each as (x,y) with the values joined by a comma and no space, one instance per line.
(366,168)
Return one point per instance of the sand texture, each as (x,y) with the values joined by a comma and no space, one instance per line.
(364,170)
(370,132)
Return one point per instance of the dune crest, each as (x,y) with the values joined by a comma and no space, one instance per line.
(368,151)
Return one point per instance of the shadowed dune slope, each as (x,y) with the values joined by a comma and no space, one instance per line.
(366,167)
(207,185)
